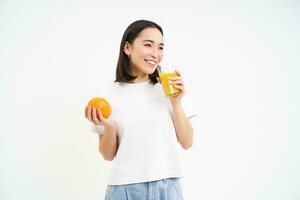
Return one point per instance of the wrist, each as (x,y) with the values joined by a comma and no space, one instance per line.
(175,104)
(110,126)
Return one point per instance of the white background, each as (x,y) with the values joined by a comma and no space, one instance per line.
(240,62)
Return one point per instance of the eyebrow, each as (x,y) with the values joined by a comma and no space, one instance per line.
(153,42)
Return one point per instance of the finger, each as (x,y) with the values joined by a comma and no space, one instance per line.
(95,118)
(100,115)
(174,78)
(180,87)
(85,111)
(178,82)
(94,115)
(89,113)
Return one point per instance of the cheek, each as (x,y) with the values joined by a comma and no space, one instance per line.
(140,53)
(139,58)
(161,56)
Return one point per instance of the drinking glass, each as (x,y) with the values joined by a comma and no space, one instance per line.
(165,72)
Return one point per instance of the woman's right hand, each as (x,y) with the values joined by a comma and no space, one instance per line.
(95,116)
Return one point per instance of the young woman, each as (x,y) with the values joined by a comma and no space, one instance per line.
(145,127)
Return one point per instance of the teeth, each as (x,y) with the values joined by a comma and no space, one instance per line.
(151,62)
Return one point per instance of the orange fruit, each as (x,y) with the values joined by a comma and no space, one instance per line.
(101,104)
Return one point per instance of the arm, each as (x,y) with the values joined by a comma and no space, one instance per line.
(108,143)
(183,127)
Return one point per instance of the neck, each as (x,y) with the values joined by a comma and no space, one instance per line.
(140,79)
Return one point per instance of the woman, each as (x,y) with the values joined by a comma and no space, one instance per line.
(145,127)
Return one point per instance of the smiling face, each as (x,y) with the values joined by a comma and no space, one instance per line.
(145,52)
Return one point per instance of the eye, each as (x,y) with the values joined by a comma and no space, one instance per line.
(161,48)
(147,45)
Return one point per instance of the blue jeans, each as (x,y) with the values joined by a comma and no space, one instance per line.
(165,189)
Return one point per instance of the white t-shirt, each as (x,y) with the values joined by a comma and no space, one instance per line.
(147,139)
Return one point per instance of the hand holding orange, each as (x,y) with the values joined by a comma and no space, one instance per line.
(102,105)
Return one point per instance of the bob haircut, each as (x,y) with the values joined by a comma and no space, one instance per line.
(123,71)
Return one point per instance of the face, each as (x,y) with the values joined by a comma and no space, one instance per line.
(145,52)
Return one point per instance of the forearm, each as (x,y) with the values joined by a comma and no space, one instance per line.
(183,127)
(108,143)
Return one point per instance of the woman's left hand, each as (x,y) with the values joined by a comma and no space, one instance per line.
(178,83)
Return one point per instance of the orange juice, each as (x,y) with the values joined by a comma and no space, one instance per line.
(169,90)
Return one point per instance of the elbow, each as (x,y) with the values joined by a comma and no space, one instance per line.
(106,156)
(187,145)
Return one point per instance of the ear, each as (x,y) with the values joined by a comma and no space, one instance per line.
(126,48)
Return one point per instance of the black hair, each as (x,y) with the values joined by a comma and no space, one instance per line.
(123,71)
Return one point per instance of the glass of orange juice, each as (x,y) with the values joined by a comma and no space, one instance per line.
(165,72)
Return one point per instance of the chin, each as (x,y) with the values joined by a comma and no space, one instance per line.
(151,71)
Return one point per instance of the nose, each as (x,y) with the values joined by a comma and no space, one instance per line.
(155,53)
